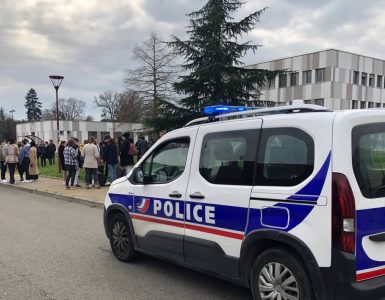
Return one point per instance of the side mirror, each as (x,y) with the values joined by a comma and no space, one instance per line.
(138,175)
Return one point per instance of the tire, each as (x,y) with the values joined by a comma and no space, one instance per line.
(121,242)
(274,263)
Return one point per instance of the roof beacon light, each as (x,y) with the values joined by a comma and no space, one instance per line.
(224,109)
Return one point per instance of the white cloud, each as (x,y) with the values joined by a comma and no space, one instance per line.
(90,42)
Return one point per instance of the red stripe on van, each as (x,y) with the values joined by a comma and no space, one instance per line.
(370,275)
(215,231)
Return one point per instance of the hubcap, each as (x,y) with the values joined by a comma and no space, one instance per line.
(120,238)
(277,282)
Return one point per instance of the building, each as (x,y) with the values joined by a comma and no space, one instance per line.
(46,130)
(332,78)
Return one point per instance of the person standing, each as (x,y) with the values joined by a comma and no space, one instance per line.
(142,146)
(41,154)
(111,159)
(71,163)
(11,152)
(102,148)
(91,155)
(33,168)
(80,161)
(24,159)
(3,166)
(61,160)
(51,150)
(126,160)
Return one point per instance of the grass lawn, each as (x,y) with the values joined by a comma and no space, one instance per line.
(52,171)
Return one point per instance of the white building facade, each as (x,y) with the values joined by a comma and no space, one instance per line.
(332,78)
(46,130)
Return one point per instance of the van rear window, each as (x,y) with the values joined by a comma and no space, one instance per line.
(368,146)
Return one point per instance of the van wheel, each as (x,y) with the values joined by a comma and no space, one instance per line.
(120,239)
(278,274)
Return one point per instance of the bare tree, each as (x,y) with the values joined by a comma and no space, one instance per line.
(152,79)
(70,109)
(130,108)
(109,102)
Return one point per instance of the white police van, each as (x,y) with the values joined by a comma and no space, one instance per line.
(289,201)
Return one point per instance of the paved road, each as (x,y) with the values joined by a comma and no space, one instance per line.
(53,249)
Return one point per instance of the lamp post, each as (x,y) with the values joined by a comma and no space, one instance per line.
(56,81)
(13,123)
(11,112)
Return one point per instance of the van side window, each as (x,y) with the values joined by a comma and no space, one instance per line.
(368,146)
(167,162)
(229,157)
(285,158)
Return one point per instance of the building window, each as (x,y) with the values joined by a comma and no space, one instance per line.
(104,134)
(371,80)
(293,78)
(33,133)
(354,104)
(307,101)
(92,133)
(319,75)
(356,76)
(282,80)
(379,81)
(61,132)
(286,157)
(378,105)
(363,104)
(306,77)
(319,102)
(364,78)
(271,83)
(370,105)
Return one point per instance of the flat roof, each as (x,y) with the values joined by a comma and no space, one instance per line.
(314,52)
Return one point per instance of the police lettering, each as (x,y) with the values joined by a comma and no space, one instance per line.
(198,212)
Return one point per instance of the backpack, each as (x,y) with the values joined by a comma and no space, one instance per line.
(132,150)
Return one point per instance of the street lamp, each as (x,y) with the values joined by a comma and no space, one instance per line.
(56,81)
(11,112)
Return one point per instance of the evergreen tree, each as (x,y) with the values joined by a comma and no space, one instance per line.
(33,106)
(213,58)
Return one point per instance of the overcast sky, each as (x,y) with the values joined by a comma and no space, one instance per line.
(90,42)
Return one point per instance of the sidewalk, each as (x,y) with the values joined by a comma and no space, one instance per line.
(55,188)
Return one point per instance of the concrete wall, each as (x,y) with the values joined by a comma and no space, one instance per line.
(337,90)
(46,130)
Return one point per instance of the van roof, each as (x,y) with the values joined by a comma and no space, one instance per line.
(258,112)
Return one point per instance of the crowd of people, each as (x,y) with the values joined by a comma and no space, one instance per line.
(22,157)
(103,162)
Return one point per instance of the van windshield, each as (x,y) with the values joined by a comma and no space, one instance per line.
(368,146)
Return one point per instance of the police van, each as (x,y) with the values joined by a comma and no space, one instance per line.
(287,201)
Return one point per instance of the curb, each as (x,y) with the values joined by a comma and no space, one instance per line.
(78,200)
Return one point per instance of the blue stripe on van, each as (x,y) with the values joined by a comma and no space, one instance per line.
(369,222)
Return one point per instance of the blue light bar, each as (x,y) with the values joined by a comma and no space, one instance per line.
(224,109)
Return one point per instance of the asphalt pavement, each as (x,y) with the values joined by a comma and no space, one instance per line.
(55,249)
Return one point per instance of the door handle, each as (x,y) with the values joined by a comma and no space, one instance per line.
(197,195)
(377,237)
(175,195)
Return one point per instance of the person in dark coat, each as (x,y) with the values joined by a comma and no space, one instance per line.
(42,154)
(111,158)
(51,149)
(126,160)
(142,146)
(61,159)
